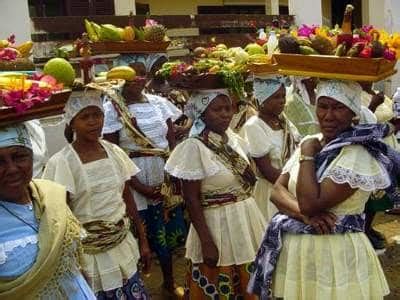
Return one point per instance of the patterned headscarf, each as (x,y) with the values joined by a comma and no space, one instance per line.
(79,101)
(346,92)
(148,60)
(198,103)
(265,86)
(16,135)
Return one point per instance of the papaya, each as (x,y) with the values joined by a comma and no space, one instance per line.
(109,32)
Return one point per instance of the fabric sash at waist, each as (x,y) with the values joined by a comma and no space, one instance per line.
(104,235)
(215,200)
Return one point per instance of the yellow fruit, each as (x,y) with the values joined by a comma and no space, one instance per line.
(4,43)
(259,58)
(129,33)
(25,48)
(121,72)
(16,83)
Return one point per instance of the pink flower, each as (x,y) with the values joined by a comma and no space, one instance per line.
(367,28)
(150,22)
(306,30)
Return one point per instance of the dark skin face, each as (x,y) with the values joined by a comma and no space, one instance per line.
(16,164)
(333,117)
(218,114)
(88,124)
(275,104)
(132,90)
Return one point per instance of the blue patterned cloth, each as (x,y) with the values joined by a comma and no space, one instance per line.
(369,136)
(19,248)
(133,289)
(268,253)
(16,135)
(265,86)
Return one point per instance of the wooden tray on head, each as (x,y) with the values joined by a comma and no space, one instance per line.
(262,68)
(129,47)
(202,81)
(53,106)
(334,67)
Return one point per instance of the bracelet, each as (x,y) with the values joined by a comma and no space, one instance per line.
(305,158)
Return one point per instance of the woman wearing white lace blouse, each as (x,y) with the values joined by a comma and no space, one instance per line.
(217,185)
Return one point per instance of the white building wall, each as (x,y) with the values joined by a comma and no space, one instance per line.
(14,16)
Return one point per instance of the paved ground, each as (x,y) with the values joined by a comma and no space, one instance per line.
(388,225)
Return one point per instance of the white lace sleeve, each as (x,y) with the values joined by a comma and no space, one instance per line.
(191,160)
(111,121)
(356,167)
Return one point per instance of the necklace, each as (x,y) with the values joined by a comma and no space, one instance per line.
(19,217)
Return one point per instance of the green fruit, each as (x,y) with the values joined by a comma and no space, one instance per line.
(221,47)
(109,32)
(97,29)
(254,49)
(90,31)
(306,50)
(61,70)
(139,34)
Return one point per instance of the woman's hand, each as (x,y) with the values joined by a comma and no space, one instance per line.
(311,147)
(210,253)
(323,223)
(145,255)
(154,192)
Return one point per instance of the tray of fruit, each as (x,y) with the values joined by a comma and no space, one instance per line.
(107,38)
(362,54)
(54,105)
(333,67)
(30,95)
(213,67)
(15,57)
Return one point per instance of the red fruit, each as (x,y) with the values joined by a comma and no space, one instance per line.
(49,79)
(389,54)
(366,52)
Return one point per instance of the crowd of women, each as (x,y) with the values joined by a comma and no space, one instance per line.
(280,189)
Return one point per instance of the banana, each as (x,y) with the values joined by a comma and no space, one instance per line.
(16,83)
(25,48)
(259,58)
(121,72)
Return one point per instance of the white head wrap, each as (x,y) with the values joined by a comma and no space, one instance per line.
(298,85)
(346,92)
(79,101)
(198,103)
(147,60)
(265,86)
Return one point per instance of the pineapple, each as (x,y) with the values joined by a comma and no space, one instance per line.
(154,32)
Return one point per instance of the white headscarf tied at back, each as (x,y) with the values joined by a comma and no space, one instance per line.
(299,86)
(346,92)
(198,103)
(79,101)
(265,86)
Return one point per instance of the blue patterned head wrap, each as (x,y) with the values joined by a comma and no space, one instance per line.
(265,86)
(16,135)
(197,105)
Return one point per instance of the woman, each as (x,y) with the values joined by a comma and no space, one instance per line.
(37,259)
(271,139)
(97,175)
(325,185)
(217,186)
(142,125)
